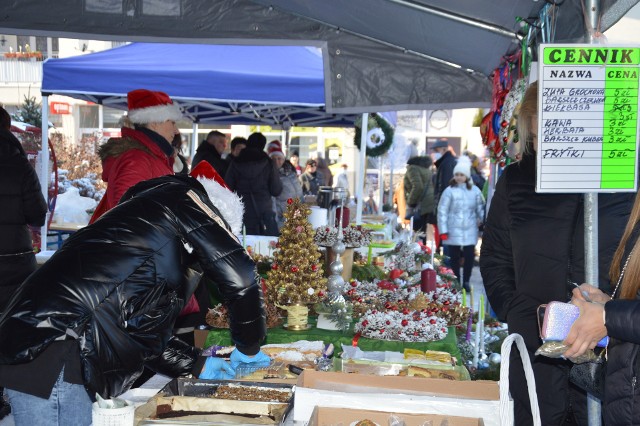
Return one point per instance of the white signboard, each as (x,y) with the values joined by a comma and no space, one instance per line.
(588,118)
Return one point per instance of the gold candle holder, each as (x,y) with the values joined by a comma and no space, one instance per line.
(297,317)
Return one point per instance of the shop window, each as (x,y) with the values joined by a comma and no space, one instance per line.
(88,115)
(111,118)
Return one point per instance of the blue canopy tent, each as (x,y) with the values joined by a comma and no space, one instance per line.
(226,84)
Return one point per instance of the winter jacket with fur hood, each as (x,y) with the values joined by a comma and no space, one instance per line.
(116,288)
(22,204)
(418,175)
(126,161)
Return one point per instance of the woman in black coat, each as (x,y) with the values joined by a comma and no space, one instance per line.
(254,177)
(22,204)
(532,247)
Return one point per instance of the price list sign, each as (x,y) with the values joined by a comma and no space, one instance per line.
(588,118)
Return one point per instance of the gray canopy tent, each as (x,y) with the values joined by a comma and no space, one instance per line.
(381,55)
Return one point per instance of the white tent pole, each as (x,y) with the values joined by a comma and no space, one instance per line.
(194,140)
(362,169)
(44,168)
(381,184)
(391,190)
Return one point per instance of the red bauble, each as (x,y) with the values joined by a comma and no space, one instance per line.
(432,321)
(320,294)
(404,323)
(274,266)
(388,322)
(354,284)
(405,311)
(294,269)
(365,323)
(314,268)
(382,330)
(289,200)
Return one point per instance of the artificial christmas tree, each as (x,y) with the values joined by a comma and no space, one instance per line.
(296,276)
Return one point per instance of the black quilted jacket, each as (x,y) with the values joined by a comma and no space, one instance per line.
(118,285)
(20,197)
(622,390)
(21,204)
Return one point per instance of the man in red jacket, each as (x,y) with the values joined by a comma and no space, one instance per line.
(144,151)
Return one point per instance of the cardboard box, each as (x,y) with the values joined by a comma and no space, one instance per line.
(325,416)
(396,394)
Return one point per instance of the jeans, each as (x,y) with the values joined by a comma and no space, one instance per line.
(68,405)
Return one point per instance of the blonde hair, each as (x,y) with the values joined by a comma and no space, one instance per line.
(527,109)
(631,280)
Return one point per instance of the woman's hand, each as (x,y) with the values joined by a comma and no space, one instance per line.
(594,294)
(588,329)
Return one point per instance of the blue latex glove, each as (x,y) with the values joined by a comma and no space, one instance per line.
(217,368)
(258,360)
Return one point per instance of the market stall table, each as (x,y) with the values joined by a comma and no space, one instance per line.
(221,337)
(59,230)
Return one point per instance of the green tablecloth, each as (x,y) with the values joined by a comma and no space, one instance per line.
(280,335)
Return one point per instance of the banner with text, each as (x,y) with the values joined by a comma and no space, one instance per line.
(588,118)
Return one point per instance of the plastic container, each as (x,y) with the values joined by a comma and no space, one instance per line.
(113,416)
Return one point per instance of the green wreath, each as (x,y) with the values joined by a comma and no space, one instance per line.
(376,122)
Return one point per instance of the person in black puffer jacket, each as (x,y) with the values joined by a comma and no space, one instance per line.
(104,305)
(22,204)
(254,177)
(532,246)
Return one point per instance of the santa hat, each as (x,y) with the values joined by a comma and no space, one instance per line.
(275,148)
(146,106)
(226,201)
(463,166)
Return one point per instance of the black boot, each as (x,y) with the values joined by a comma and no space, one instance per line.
(5,408)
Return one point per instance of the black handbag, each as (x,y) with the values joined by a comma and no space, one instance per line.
(589,376)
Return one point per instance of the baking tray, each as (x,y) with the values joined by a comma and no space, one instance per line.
(200,392)
(206,388)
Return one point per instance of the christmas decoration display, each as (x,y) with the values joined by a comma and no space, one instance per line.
(379,135)
(296,275)
(217,317)
(408,326)
(339,312)
(493,122)
(508,134)
(399,295)
(354,236)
